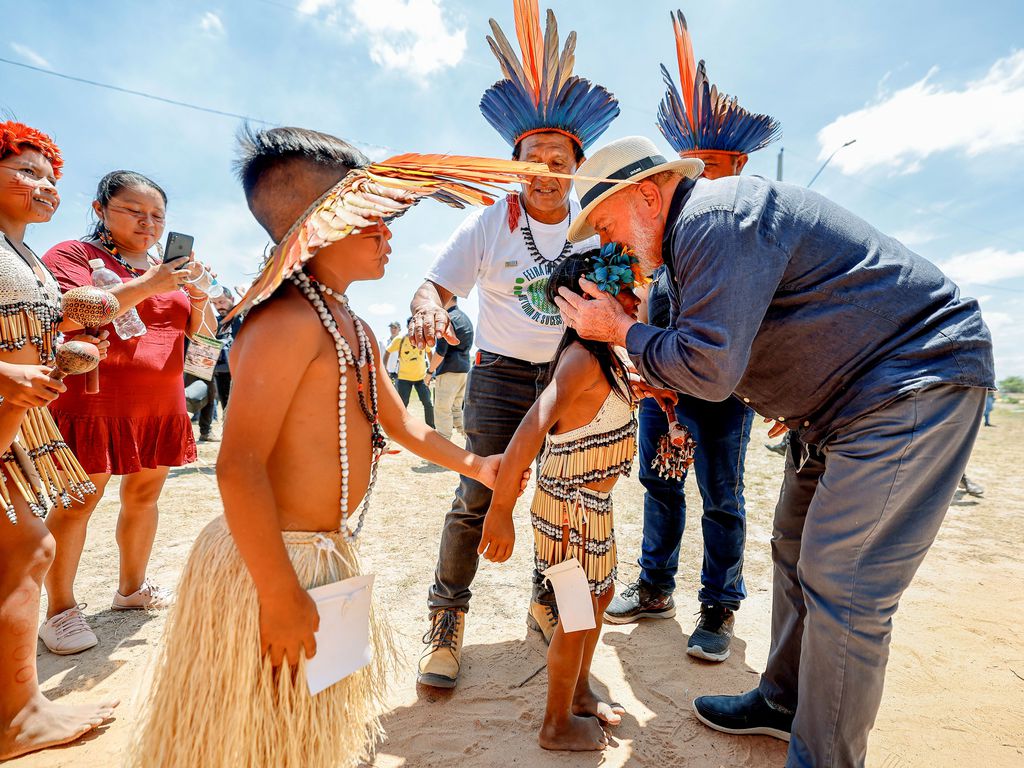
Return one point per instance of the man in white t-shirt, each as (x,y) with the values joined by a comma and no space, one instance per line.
(391,361)
(507,251)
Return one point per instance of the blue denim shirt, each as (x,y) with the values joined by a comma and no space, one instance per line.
(801,309)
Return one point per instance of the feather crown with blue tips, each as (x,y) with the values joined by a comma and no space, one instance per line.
(541,93)
(701,118)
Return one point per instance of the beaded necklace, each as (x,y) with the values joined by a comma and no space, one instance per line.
(107,244)
(28,315)
(531,245)
(314,293)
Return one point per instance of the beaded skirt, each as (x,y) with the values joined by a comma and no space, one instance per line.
(40,468)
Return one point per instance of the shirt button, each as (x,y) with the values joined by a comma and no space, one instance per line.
(746,399)
(807,423)
(781,418)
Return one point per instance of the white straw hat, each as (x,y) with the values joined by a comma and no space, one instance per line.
(622,162)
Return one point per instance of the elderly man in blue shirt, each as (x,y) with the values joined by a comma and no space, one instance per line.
(836,331)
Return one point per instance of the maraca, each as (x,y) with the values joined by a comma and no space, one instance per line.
(74,357)
(91,307)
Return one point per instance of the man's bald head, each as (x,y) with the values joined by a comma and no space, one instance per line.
(283,170)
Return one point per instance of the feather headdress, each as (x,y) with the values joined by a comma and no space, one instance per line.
(702,118)
(541,93)
(381,192)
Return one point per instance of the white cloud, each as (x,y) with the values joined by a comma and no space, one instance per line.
(211,24)
(410,37)
(913,237)
(987,265)
(29,55)
(383,309)
(922,119)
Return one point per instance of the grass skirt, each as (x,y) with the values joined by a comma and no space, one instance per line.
(215,701)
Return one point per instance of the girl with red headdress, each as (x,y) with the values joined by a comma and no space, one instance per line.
(30,317)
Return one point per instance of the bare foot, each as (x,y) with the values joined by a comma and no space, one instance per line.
(586,704)
(42,724)
(577,734)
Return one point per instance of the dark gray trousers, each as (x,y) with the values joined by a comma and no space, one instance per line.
(851,528)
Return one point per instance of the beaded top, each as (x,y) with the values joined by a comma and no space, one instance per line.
(614,414)
(30,307)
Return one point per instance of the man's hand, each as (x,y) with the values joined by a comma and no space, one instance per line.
(287,624)
(100,341)
(641,389)
(596,315)
(430,323)
(429,377)
(499,537)
(488,474)
(28,386)
(776,429)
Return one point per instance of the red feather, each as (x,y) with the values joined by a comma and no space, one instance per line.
(687,67)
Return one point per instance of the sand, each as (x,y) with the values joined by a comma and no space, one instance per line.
(954,693)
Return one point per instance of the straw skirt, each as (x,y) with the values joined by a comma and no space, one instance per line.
(215,701)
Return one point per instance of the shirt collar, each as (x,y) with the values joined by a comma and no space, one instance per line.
(682,191)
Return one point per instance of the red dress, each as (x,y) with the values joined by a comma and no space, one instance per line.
(138,419)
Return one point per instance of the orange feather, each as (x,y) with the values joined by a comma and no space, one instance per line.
(527,16)
(687,67)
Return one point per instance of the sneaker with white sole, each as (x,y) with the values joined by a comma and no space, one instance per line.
(147,597)
(68,632)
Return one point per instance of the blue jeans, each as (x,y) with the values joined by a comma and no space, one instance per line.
(499,392)
(405,389)
(722,431)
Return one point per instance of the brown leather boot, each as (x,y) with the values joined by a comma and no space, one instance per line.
(440,662)
(542,618)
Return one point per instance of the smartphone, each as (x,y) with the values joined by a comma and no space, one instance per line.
(179,246)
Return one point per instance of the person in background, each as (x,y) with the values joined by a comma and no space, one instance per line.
(990,404)
(136,426)
(412,370)
(391,361)
(449,368)
(226,333)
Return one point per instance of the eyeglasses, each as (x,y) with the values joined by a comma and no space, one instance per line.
(136,214)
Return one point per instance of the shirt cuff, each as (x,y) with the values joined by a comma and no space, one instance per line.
(638,337)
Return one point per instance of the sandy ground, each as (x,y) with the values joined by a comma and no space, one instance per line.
(955,688)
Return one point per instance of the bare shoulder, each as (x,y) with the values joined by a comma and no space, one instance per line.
(577,369)
(285,323)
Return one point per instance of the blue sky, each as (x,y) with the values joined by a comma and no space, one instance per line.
(933,92)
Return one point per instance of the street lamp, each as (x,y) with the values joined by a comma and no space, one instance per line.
(851,141)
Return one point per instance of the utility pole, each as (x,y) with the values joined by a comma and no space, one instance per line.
(778,170)
(851,141)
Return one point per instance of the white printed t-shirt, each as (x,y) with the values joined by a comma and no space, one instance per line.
(515,319)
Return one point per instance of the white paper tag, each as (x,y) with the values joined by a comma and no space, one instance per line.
(343,640)
(572,594)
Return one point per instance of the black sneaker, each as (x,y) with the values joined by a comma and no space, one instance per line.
(639,601)
(970,487)
(747,714)
(713,633)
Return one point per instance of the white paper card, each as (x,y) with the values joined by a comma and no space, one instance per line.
(572,594)
(343,640)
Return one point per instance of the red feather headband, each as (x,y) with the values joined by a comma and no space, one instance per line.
(17,137)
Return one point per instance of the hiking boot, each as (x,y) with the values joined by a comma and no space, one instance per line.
(543,618)
(68,632)
(440,662)
(970,487)
(747,714)
(713,633)
(639,601)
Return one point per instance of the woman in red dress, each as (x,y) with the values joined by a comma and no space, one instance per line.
(136,426)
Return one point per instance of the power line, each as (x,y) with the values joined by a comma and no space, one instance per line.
(144,95)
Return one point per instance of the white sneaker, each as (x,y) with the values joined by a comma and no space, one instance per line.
(147,597)
(68,632)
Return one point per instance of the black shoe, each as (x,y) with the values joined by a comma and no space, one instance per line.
(208,437)
(746,714)
(639,601)
(713,633)
(970,487)
(779,448)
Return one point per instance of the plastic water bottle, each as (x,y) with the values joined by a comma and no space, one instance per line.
(128,325)
(207,283)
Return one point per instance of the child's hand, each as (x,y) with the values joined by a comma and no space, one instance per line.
(287,624)
(499,537)
(488,475)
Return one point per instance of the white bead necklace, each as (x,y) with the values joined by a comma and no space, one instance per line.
(312,291)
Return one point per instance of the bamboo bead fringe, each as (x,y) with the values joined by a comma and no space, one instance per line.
(41,468)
